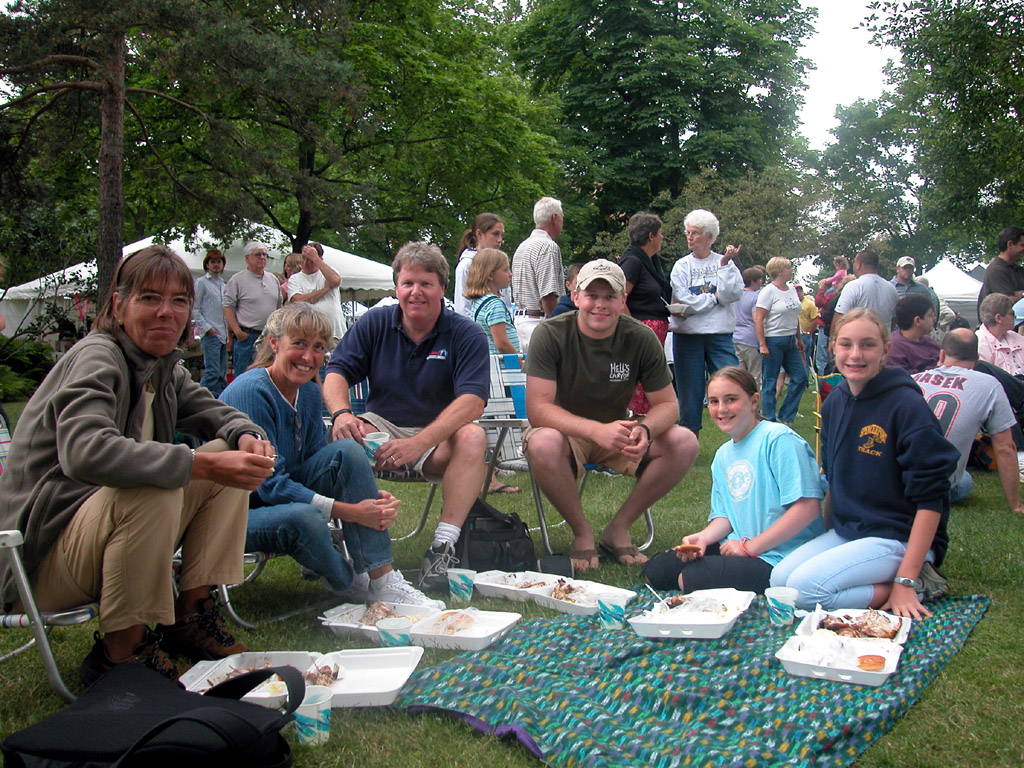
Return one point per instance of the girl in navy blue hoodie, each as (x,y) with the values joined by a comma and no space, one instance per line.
(888,467)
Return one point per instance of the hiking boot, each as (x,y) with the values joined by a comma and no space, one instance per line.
(200,636)
(147,653)
(436,562)
(396,589)
(933,583)
(356,592)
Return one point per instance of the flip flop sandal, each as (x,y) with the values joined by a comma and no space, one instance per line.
(619,552)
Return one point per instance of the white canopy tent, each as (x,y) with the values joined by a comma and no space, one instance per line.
(956,288)
(361,279)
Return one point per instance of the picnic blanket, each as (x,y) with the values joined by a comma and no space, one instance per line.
(576,695)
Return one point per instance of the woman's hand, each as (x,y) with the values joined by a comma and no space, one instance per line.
(256,446)
(763,349)
(732,548)
(903,602)
(698,540)
(235,469)
(378,514)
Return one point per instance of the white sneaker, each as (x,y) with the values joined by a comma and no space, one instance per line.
(395,589)
(357,592)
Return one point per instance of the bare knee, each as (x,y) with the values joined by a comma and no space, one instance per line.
(469,440)
(547,447)
(678,444)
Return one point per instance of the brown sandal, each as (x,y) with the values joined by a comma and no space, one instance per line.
(620,552)
(587,556)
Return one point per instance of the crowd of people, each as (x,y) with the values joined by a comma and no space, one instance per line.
(107,496)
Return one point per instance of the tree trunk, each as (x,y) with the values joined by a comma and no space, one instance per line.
(111,202)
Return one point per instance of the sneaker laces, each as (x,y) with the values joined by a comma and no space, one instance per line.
(441,561)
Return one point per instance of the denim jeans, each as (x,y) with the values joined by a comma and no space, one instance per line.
(340,471)
(840,573)
(782,353)
(215,364)
(961,490)
(810,339)
(821,353)
(242,352)
(696,355)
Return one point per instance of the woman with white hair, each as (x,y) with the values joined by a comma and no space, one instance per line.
(776,320)
(705,285)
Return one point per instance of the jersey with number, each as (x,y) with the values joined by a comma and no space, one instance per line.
(965,402)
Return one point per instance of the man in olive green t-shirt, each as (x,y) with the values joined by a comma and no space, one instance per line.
(581,372)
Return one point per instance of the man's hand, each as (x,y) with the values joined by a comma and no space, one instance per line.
(731,252)
(763,349)
(235,469)
(614,436)
(241,335)
(211,332)
(639,444)
(309,252)
(397,453)
(349,425)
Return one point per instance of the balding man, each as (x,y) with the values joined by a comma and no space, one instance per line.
(869,290)
(965,402)
(537,277)
(249,297)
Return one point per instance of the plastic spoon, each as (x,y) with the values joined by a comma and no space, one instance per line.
(660,598)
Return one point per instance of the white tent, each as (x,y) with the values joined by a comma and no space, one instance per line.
(956,288)
(361,279)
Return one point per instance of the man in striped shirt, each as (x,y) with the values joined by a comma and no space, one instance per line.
(537,278)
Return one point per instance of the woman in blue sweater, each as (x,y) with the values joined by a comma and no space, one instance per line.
(315,481)
(888,467)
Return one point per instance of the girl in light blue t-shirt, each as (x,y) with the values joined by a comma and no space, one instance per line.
(488,276)
(765,497)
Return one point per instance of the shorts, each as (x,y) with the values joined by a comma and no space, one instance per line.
(380,424)
(588,452)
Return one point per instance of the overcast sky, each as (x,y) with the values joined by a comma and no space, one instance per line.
(848,66)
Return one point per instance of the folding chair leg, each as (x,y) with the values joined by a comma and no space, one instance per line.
(423,515)
(229,608)
(538,502)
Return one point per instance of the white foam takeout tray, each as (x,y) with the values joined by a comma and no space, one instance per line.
(344,619)
(835,658)
(808,626)
(587,606)
(506,583)
(368,678)
(487,627)
(679,622)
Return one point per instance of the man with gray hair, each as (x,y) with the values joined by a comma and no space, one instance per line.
(965,402)
(429,376)
(537,280)
(249,297)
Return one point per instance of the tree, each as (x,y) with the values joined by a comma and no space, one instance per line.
(961,84)
(656,90)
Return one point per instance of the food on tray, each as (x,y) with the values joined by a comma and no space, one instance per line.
(871,662)
(686,604)
(374,613)
(456,621)
(571,593)
(676,601)
(324,675)
(871,623)
(687,549)
(530,584)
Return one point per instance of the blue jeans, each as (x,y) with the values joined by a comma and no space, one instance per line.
(960,491)
(809,342)
(697,355)
(821,353)
(215,364)
(840,573)
(782,353)
(242,352)
(340,471)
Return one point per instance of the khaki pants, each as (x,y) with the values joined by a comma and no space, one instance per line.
(118,547)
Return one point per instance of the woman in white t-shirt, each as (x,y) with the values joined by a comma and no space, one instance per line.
(488,231)
(776,320)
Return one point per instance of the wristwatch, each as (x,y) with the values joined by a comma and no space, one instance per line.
(917,586)
(338,413)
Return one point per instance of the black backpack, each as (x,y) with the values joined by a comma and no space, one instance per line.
(495,541)
(133,716)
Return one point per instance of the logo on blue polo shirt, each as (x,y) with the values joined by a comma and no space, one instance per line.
(438,354)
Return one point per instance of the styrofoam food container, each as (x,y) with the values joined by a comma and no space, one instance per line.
(204,675)
(505,583)
(835,658)
(587,607)
(809,625)
(488,627)
(344,619)
(373,677)
(694,625)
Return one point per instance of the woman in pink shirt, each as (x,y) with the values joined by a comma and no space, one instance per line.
(997,344)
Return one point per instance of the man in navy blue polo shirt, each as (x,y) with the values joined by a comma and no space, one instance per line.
(429,376)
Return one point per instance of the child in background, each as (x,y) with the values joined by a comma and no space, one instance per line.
(842,266)
(488,276)
(565,303)
(888,467)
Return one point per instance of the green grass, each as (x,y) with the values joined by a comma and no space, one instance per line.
(969,716)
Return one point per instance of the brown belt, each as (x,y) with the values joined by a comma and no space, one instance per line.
(529,313)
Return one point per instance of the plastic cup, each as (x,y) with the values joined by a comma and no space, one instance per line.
(394,632)
(313,717)
(611,610)
(373,441)
(781,605)
(460,584)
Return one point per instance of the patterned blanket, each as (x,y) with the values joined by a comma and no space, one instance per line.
(575,695)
